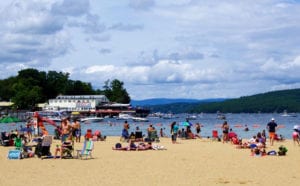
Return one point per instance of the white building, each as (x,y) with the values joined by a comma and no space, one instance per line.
(76,102)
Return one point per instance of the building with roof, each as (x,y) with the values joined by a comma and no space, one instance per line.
(76,102)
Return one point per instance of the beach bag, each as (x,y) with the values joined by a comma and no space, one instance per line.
(14,154)
(282,150)
(272,153)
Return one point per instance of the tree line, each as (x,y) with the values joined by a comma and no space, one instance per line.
(270,102)
(31,87)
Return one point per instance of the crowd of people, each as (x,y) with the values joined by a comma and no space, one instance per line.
(258,143)
(67,131)
(70,132)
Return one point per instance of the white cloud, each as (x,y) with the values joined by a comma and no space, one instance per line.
(194,49)
(141,4)
(71,8)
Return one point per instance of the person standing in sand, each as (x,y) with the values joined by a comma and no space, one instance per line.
(76,130)
(66,129)
(174,131)
(198,130)
(225,128)
(271,126)
(295,136)
(125,132)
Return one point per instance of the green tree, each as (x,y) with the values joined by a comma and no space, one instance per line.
(79,88)
(27,97)
(6,90)
(31,86)
(115,92)
(56,83)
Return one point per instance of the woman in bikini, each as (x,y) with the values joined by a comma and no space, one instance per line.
(225,128)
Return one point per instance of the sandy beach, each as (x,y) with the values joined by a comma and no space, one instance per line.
(191,162)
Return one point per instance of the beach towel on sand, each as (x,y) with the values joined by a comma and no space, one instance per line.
(158,147)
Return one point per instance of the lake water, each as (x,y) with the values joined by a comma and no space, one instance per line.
(255,122)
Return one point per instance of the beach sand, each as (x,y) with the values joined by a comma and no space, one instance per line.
(191,162)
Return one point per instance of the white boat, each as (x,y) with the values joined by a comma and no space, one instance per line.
(168,116)
(139,119)
(192,117)
(221,116)
(55,119)
(285,114)
(123,116)
(91,119)
(55,116)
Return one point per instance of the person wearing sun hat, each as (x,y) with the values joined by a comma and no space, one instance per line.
(271,126)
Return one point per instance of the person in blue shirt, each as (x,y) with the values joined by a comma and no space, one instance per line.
(174,131)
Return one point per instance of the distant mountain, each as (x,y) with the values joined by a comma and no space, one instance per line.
(165,101)
(269,102)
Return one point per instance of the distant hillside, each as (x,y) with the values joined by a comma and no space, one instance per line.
(164,101)
(275,101)
(173,105)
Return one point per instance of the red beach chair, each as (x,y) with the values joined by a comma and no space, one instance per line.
(215,134)
(88,134)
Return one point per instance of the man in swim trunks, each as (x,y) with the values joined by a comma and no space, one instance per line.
(66,129)
(271,126)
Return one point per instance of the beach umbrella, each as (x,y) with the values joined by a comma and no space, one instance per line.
(9,120)
(5,120)
(186,124)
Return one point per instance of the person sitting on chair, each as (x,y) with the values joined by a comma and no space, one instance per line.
(66,145)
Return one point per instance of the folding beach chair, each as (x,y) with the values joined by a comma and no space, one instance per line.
(43,146)
(4,140)
(67,150)
(152,136)
(215,135)
(86,150)
(139,136)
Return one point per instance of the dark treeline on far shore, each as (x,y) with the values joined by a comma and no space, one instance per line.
(31,87)
(270,102)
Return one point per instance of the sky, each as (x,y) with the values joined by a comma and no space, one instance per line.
(157,48)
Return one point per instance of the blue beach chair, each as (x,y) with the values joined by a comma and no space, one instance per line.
(86,150)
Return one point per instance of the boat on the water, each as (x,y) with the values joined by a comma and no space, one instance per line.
(139,119)
(115,109)
(191,117)
(55,116)
(285,114)
(55,119)
(91,119)
(124,116)
(220,115)
(168,116)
